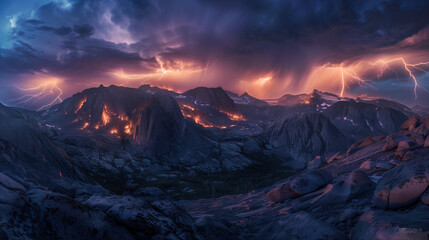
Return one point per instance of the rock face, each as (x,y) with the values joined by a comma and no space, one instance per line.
(306,135)
(306,182)
(215,97)
(402,185)
(363,119)
(33,139)
(71,210)
(159,127)
(246,99)
(152,121)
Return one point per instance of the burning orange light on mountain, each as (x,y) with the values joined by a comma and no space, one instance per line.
(80,105)
(198,121)
(127,129)
(85,125)
(233,116)
(105,116)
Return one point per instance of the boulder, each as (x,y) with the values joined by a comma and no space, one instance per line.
(399,154)
(301,184)
(423,129)
(404,145)
(408,156)
(417,138)
(300,225)
(160,217)
(369,164)
(411,123)
(403,185)
(356,184)
(413,225)
(317,162)
(392,142)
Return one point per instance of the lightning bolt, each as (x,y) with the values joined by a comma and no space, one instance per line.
(348,74)
(407,67)
(38,92)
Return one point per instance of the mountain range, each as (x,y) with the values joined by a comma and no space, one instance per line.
(133,162)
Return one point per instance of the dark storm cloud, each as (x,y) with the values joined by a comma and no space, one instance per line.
(87,38)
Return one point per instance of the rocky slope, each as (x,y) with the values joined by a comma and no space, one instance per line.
(151,121)
(108,162)
(303,136)
(377,190)
(358,120)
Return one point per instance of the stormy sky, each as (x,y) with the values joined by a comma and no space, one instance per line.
(51,49)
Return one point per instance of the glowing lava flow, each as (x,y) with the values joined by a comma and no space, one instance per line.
(234,117)
(105,116)
(407,67)
(83,101)
(39,92)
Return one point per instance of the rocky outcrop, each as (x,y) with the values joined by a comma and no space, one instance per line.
(306,135)
(412,225)
(300,225)
(364,119)
(402,185)
(355,185)
(391,141)
(246,99)
(152,121)
(160,126)
(306,182)
(411,123)
(215,97)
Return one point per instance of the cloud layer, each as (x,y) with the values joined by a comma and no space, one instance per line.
(265,47)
